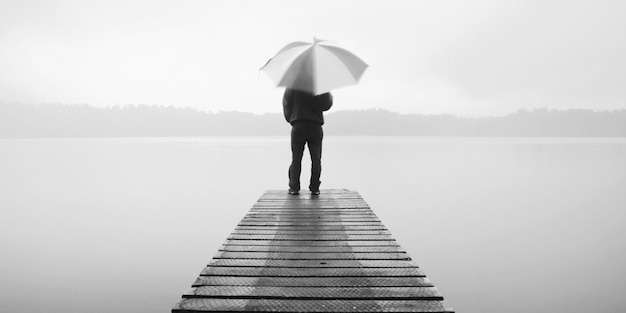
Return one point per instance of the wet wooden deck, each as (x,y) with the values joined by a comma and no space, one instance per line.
(326,253)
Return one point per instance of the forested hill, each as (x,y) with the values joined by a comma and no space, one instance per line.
(24,121)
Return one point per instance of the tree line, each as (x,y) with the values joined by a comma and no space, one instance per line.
(57,120)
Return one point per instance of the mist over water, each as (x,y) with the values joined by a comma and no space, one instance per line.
(497,224)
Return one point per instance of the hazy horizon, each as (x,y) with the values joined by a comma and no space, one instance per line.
(334,110)
(45,121)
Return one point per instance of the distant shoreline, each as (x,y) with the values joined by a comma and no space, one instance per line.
(285,138)
(82,121)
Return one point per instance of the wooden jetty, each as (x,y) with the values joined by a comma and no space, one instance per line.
(326,253)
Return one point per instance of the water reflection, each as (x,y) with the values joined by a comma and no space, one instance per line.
(127,224)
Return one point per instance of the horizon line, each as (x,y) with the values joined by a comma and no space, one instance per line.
(200,110)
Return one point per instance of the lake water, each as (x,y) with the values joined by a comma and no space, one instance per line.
(498,224)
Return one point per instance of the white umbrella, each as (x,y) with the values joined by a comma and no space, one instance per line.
(316,67)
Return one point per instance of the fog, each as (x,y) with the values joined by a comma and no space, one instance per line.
(497,224)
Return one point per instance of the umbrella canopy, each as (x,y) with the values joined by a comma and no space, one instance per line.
(316,67)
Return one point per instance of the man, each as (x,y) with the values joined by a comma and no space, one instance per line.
(304,112)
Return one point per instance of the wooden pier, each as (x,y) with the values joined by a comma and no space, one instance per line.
(326,253)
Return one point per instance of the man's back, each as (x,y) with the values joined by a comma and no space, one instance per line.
(303,106)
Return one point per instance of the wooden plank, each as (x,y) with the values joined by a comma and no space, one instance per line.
(311,243)
(310,219)
(331,223)
(301,232)
(305,207)
(359,281)
(311,263)
(338,191)
(336,209)
(311,237)
(315,223)
(311,204)
(283,213)
(313,228)
(325,194)
(328,197)
(303,212)
(309,197)
(326,249)
(312,255)
(315,293)
(313,306)
(312,272)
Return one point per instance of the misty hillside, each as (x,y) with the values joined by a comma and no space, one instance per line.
(55,120)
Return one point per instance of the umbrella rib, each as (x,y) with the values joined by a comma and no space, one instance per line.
(314,67)
(292,45)
(299,64)
(349,58)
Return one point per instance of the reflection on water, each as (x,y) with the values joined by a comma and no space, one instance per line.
(498,224)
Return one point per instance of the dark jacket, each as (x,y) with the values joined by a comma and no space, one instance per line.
(303,106)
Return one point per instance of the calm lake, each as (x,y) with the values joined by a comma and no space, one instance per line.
(497,224)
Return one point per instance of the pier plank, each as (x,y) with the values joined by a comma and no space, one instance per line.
(309,223)
(308,232)
(316,293)
(310,263)
(314,228)
(304,237)
(318,249)
(337,305)
(313,281)
(316,216)
(312,272)
(311,243)
(312,255)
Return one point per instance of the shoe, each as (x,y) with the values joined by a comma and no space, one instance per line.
(294,192)
(315,192)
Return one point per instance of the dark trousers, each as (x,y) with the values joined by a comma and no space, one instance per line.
(309,133)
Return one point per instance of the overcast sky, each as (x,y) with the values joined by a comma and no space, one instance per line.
(471,58)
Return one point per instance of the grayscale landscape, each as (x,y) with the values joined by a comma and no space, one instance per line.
(489,137)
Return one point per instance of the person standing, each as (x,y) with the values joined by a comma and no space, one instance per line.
(304,111)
